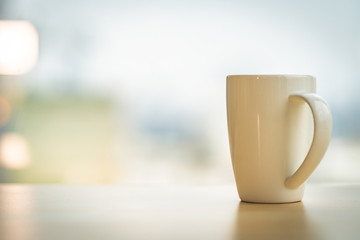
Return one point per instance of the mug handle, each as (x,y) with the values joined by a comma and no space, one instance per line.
(322,134)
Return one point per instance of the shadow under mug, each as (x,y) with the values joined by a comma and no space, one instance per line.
(279,130)
(274,221)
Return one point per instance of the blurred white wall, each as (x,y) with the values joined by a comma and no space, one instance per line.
(164,64)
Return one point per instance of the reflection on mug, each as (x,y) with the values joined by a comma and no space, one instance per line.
(273,221)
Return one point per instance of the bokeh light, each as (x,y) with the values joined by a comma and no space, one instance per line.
(14,151)
(5,111)
(18,47)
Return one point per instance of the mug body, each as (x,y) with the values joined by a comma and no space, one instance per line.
(269,136)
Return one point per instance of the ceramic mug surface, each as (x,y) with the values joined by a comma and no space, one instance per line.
(279,130)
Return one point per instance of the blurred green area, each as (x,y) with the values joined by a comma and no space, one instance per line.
(71,139)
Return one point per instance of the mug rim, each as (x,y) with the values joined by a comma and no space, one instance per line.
(271,75)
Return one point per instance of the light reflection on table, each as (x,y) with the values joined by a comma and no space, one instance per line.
(16,212)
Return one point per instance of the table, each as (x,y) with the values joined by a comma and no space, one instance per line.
(328,211)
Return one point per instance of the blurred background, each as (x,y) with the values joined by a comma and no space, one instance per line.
(133,92)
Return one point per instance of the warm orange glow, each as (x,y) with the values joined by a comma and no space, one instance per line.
(14,151)
(5,111)
(18,47)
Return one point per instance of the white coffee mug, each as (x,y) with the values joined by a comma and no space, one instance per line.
(279,130)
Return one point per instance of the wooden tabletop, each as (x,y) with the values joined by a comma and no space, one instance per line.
(328,211)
